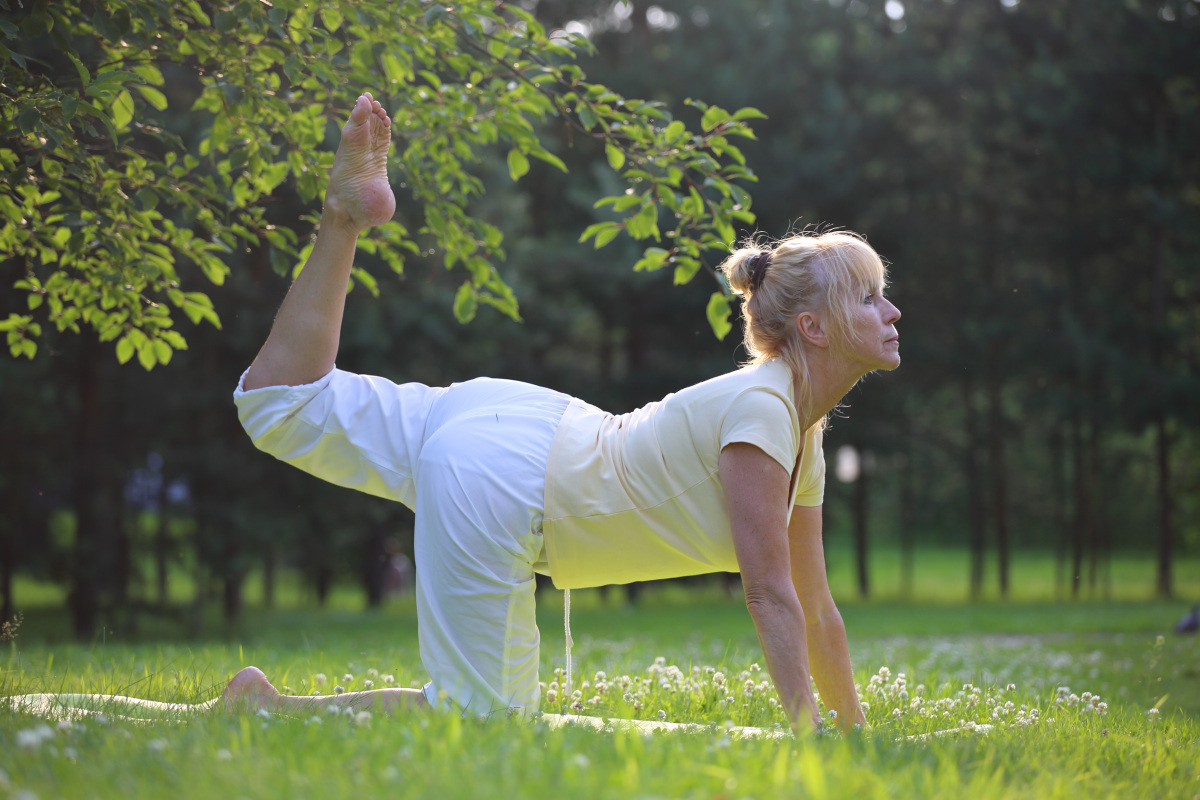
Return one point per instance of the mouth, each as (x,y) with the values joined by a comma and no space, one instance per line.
(893,340)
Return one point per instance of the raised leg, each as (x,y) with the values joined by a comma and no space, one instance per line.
(303,342)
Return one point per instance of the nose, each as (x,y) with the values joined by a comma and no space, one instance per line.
(893,313)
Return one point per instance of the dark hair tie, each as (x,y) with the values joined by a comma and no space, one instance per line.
(758,268)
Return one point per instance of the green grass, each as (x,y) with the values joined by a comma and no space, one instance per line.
(1109,649)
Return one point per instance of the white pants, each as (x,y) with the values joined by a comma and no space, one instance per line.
(480,485)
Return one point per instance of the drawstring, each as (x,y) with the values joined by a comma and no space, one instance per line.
(567,632)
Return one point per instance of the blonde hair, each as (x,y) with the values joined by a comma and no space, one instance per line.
(826,272)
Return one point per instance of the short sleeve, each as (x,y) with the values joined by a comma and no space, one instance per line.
(810,483)
(763,419)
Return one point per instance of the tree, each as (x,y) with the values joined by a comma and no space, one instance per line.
(109,205)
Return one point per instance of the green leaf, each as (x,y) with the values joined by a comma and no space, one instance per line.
(85,77)
(718,314)
(518,164)
(153,96)
(586,116)
(28,119)
(124,350)
(653,258)
(713,117)
(748,113)
(644,223)
(69,104)
(616,156)
(674,131)
(146,355)
(466,301)
(122,110)
(162,351)
(607,235)
(331,17)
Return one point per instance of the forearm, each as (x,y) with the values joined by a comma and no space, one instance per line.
(303,342)
(780,627)
(829,659)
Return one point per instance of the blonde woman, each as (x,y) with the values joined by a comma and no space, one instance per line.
(508,479)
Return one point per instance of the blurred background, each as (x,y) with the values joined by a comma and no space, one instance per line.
(1031,172)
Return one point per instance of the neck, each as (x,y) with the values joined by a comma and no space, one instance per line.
(830,377)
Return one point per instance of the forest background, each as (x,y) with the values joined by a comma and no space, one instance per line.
(1030,171)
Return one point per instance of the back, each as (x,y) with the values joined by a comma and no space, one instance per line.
(638,496)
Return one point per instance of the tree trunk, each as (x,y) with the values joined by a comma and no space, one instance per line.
(87,560)
(999,483)
(861,507)
(907,526)
(1058,477)
(975,509)
(1166,541)
(269,577)
(1081,530)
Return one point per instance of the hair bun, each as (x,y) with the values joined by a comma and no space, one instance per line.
(744,269)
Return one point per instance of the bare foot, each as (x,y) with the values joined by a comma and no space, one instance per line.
(249,691)
(358,190)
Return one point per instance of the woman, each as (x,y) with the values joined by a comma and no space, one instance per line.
(509,479)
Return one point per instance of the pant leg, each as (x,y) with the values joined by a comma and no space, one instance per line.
(479,501)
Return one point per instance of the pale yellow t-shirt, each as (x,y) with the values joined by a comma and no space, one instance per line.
(638,496)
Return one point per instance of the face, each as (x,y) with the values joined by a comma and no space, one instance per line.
(874,324)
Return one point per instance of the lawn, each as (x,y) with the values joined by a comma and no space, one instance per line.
(1067,687)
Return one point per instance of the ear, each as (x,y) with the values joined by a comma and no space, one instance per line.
(812,329)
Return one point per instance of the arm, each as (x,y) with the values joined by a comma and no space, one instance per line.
(828,653)
(756,492)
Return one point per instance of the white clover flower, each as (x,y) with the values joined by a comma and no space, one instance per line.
(157,745)
(577,694)
(755,667)
(362,718)
(718,678)
(865,706)
(921,689)
(372,673)
(595,701)
(368,684)
(660,661)
(314,719)
(347,678)
(601,687)
(577,706)
(389,679)
(262,712)
(320,679)
(32,738)
(1102,708)
(339,689)
(551,696)
(601,675)
(896,713)
(224,755)
(1153,712)
(885,673)
(662,715)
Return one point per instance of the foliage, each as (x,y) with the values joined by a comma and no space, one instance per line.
(105,205)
